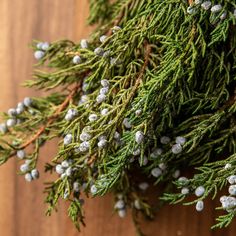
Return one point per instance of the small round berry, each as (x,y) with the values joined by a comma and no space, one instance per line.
(191,10)
(122,213)
(156,152)
(84,146)
(156,172)
(137,204)
(59,169)
(216,8)
(136,152)
(28,177)
(77,59)
(104,90)
(83,99)
(176,174)
(117,135)
(3,128)
(67,139)
(35,174)
(197,2)
(104,111)
(143,161)
(199,191)
(84,43)
(105,83)
(176,148)
(12,112)
(139,137)
(180,140)
(20,154)
(69,117)
(206,5)
(116,28)
(93,189)
(93,117)
(232,190)
(84,136)
(24,167)
(27,102)
(120,204)
(102,143)
(127,123)
(103,38)
(11,122)
(232,179)
(99,51)
(199,205)
(143,186)
(39,45)
(223,15)
(164,140)
(185,191)
(76,186)
(162,166)
(65,164)
(138,112)
(183,181)
(227,166)
(69,171)
(101,98)
(45,46)
(106,54)
(39,54)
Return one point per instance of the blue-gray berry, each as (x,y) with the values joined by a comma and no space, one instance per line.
(77,59)
(27,101)
(68,139)
(84,43)
(35,174)
(28,177)
(20,154)
(39,54)
(11,122)
(176,148)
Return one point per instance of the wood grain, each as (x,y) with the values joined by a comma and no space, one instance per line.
(21,203)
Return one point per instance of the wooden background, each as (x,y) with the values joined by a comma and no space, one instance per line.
(21,204)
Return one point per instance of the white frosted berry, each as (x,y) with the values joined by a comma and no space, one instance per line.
(84,43)
(27,101)
(103,38)
(136,152)
(143,161)
(72,111)
(232,190)
(19,110)
(143,186)
(164,140)
(59,169)
(216,8)
(199,205)
(69,171)
(69,117)
(20,154)
(117,135)
(122,213)
(99,51)
(84,146)
(83,99)
(84,136)
(11,122)
(138,112)
(39,54)
(156,152)
(183,180)
(105,83)
(76,186)
(28,177)
(185,191)
(65,164)
(199,191)
(35,174)
(45,46)
(39,45)
(104,111)
(101,98)
(12,112)
(180,140)
(197,2)
(102,143)
(190,10)
(127,123)
(67,139)
(139,137)
(116,28)
(93,117)
(106,54)
(227,166)
(176,148)
(223,15)
(3,128)
(76,59)
(104,90)
(156,172)
(162,166)
(120,204)
(206,5)
(93,189)
(24,167)
(232,179)
(176,174)
(137,204)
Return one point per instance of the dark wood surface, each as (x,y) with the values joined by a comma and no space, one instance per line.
(21,204)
